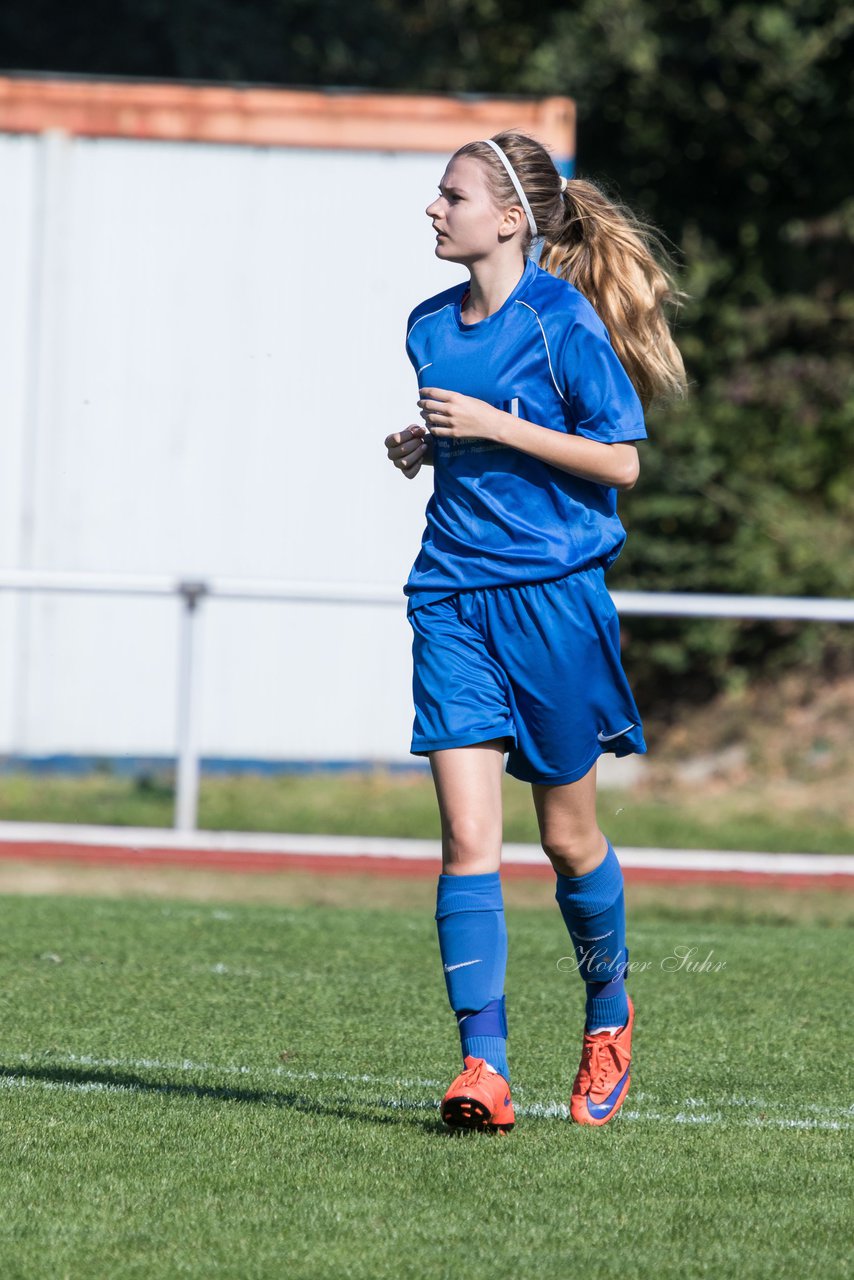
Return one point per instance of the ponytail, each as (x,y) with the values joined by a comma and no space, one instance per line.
(617,261)
(620,266)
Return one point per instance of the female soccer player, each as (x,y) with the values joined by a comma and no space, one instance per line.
(532,382)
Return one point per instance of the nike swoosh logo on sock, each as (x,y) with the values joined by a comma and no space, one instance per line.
(449,968)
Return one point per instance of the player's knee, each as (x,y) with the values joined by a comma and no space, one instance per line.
(574,853)
(470,841)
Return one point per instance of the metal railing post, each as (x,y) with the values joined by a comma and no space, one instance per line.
(187,771)
(639,603)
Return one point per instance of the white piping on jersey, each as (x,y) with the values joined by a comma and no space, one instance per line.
(535,314)
(546,341)
(427,317)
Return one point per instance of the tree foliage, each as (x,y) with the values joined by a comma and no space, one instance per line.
(727,126)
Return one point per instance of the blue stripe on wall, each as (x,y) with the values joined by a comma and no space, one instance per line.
(211,766)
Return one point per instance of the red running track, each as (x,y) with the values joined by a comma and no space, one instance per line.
(406,868)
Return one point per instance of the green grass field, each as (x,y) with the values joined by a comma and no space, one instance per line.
(239,1090)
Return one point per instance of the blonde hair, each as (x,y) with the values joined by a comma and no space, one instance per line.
(616,260)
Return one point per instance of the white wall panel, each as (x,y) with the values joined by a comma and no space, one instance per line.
(217,354)
(18,284)
(18,281)
(102,677)
(310,682)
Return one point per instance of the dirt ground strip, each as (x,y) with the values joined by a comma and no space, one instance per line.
(305,888)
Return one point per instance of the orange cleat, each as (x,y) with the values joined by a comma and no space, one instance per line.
(603,1078)
(479,1098)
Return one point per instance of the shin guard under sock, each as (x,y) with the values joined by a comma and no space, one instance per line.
(473,945)
(593,909)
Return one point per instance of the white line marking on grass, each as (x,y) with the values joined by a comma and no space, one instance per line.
(685,1113)
(539,1110)
(230,972)
(67,1086)
(761,1104)
(783,1122)
(155,1064)
(754,1122)
(544,1110)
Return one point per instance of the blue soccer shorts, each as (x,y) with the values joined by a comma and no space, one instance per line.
(538,664)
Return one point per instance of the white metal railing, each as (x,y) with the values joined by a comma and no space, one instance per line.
(191,592)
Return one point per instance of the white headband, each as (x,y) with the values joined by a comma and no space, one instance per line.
(511,173)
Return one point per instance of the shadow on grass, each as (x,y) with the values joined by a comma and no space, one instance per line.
(390,1111)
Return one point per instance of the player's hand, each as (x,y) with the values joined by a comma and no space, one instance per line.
(408,448)
(458,417)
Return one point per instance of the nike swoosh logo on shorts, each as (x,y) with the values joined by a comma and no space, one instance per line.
(609,737)
(449,968)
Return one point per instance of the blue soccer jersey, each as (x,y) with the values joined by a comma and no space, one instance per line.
(498,516)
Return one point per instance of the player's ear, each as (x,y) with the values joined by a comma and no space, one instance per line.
(511,221)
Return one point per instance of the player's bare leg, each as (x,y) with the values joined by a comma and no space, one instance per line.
(468,788)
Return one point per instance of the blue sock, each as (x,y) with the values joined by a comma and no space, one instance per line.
(593,909)
(473,946)
(484,1035)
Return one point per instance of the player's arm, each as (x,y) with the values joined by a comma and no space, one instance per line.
(410,449)
(447,413)
(616,465)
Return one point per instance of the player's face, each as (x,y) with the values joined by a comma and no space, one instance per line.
(466,222)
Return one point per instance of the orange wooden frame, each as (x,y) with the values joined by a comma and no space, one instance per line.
(314,118)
